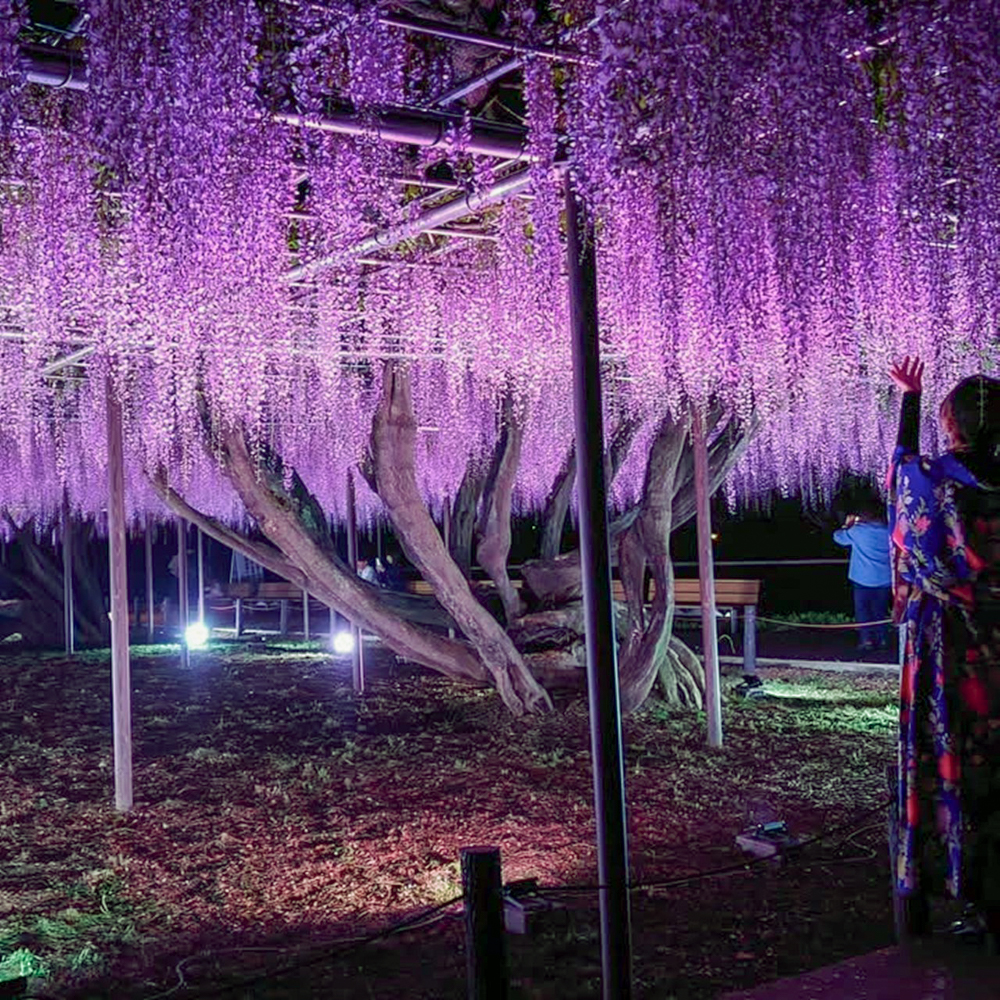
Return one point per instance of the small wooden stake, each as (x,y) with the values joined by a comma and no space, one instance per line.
(485,944)
(121,698)
(706,576)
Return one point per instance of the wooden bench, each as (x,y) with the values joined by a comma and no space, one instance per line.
(731,597)
(268,590)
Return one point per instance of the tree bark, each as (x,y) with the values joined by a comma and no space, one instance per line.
(297,554)
(647,543)
(494,523)
(557,507)
(463,515)
(393,440)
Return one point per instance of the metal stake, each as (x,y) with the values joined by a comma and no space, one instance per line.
(602,665)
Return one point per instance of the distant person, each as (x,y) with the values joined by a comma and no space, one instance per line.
(867,536)
(946,542)
(367,572)
(392,575)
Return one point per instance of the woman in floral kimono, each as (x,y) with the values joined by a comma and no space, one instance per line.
(945,523)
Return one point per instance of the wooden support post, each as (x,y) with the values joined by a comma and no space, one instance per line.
(485,943)
(121,688)
(750,640)
(283,618)
(305,614)
(357,652)
(706,576)
(201,576)
(446,532)
(150,626)
(182,588)
(69,632)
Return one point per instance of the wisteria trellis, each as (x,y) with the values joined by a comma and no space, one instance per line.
(789,193)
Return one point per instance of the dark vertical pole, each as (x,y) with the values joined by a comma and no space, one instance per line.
(446,532)
(305,614)
(357,654)
(485,944)
(67,561)
(182,587)
(602,665)
(121,688)
(201,576)
(149,579)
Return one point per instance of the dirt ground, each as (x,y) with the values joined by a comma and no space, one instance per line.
(278,816)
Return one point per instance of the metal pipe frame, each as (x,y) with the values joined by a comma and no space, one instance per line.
(595,557)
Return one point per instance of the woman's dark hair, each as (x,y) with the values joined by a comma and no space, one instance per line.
(973,407)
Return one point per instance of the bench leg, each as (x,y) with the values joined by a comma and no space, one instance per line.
(750,640)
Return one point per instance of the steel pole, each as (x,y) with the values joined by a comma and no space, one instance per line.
(706,576)
(149,579)
(201,576)
(602,665)
(182,588)
(121,687)
(357,653)
(69,633)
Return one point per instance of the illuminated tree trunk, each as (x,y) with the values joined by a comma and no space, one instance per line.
(393,439)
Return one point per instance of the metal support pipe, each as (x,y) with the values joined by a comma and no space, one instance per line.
(441,29)
(706,577)
(121,687)
(201,576)
(305,614)
(602,665)
(451,211)
(149,579)
(357,653)
(182,588)
(69,632)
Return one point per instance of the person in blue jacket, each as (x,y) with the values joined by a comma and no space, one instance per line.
(867,536)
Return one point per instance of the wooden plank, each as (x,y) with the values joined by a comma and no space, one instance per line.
(728,593)
(121,688)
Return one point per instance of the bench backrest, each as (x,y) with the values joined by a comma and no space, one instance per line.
(687,591)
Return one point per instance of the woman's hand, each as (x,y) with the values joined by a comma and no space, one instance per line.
(908,375)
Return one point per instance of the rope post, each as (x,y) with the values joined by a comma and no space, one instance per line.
(485,945)
(750,640)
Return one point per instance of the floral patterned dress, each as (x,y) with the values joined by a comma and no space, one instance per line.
(945,522)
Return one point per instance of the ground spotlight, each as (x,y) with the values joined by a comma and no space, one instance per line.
(343,643)
(196,635)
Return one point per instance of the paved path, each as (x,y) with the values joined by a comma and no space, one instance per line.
(938,970)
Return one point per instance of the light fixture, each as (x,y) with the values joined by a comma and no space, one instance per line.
(196,635)
(343,643)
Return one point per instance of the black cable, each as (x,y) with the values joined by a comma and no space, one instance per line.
(326,956)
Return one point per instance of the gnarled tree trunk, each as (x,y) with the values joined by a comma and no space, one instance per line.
(392,452)
(494,523)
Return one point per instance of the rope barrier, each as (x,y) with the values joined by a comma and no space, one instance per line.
(839,625)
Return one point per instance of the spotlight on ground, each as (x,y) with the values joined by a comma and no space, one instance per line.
(343,643)
(196,635)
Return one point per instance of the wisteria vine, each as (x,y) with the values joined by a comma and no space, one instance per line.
(787,196)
